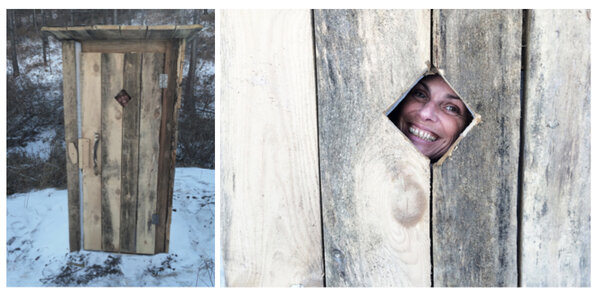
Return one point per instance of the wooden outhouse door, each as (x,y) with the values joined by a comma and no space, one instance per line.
(119,145)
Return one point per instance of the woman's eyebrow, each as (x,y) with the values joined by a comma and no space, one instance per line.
(452,96)
(424,85)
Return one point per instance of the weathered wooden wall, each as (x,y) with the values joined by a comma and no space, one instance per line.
(556,155)
(270,212)
(374,185)
(474,212)
(509,207)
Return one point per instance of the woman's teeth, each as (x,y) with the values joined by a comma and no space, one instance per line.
(422,134)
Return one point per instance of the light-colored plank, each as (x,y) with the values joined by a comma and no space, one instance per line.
(150,116)
(130,153)
(270,216)
(69,71)
(474,201)
(91,108)
(556,159)
(374,183)
(112,131)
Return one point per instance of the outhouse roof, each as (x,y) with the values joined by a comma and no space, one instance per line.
(123,32)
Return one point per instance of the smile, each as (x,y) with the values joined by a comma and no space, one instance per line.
(422,134)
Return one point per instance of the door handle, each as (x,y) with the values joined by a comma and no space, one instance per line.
(95,158)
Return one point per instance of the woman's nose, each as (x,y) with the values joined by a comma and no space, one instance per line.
(428,111)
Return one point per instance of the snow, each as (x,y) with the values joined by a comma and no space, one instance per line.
(37,249)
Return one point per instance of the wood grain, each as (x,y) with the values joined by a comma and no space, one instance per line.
(150,115)
(69,71)
(132,74)
(556,155)
(166,163)
(112,139)
(111,46)
(374,183)
(91,108)
(270,216)
(474,201)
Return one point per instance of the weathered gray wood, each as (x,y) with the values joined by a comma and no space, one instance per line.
(474,201)
(374,183)
(91,108)
(166,164)
(112,132)
(556,155)
(132,75)
(69,72)
(178,72)
(123,32)
(150,115)
(270,217)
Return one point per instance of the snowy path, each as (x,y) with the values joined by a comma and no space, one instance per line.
(37,242)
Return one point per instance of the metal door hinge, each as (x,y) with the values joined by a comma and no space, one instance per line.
(155,219)
(163,81)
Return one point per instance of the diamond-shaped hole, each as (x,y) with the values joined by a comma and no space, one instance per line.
(123,98)
(432,116)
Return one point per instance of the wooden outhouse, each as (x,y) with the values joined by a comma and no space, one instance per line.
(121,92)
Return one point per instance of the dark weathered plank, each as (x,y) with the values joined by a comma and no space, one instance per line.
(166,163)
(474,201)
(270,217)
(150,115)
(69,72)
(179,73)
(91,108)
(123,46)
(130,153)
(374,183)
(556,153)
(112,131)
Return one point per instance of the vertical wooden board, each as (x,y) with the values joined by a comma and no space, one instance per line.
(556,159)
(91,108)
(69,71)
(112,128)
(178,73)
(271,233)
(166,161)
(130,152)
(374,183)
(150,115)
(474,201)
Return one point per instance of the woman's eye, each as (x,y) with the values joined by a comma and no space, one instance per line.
(452,109)
(419,94)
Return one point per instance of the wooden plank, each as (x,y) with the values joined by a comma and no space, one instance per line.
(374,183)
(124,46)
(69,71)
(556,155)
(166,164)
(270,216)
(130,152)
(134,32)
(179,77)
(91,108)
(150,116)
(474,201)
(112,129)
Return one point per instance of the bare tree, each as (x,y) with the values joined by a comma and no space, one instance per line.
(13,43)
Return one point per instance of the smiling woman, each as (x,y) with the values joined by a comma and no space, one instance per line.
(431,116)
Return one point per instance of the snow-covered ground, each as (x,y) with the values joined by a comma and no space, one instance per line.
(37,242)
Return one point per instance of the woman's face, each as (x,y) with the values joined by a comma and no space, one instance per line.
(432,116)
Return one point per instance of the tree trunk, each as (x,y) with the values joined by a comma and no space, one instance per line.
(188,100)
(44,39)
(13,43)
